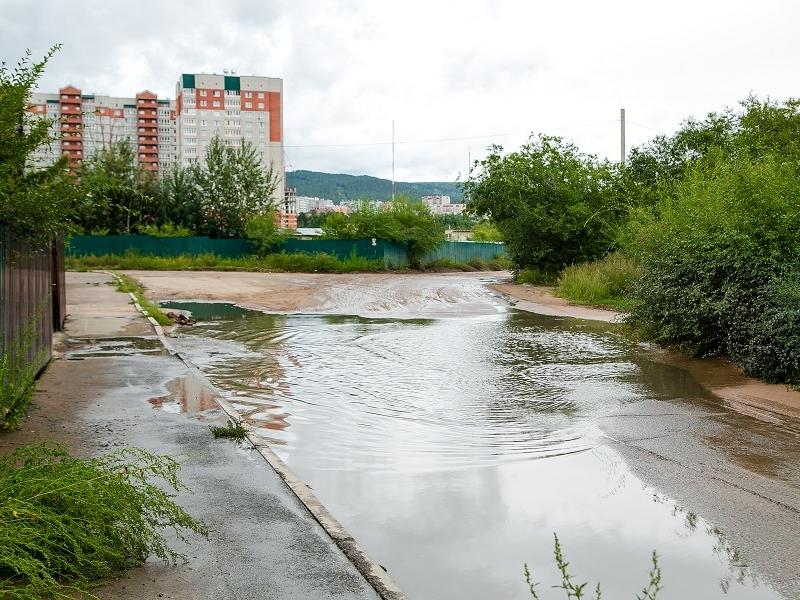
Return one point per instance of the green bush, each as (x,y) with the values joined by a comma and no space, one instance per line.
(533,276)
(602,282)
(720,262)
(18,377)
(67,524)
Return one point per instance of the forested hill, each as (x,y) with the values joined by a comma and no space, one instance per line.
(339,187)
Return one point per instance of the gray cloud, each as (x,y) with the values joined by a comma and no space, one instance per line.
(441,71)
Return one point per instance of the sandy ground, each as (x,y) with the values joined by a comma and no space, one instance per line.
(439,295)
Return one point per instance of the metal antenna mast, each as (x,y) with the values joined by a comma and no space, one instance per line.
(393,184)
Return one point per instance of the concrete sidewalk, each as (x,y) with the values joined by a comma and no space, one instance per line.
(116,386)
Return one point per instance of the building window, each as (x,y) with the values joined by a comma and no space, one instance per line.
(216,94)
(216,103)
(248,105)
(261,105)
(203,103)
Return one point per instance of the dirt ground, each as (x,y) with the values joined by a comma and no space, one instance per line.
(439,295)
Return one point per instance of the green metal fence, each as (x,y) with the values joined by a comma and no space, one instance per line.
(393,255)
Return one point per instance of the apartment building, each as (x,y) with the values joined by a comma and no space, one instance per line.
(235,108)
(441,205)
(165,131)
(82,124)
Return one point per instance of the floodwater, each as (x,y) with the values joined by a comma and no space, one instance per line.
(454,448)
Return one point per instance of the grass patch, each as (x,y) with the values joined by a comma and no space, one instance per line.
(18,377)
(319,262)
(602,282)
(533,276)
(283,262)
(231,430)
(130,285)
(68,524)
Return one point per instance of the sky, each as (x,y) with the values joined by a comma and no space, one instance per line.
(455,77)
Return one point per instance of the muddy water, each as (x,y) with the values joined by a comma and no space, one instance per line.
(453,448)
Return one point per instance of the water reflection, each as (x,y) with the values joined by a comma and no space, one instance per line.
(421,437)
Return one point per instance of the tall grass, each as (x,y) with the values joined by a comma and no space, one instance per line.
(18,376)
(299,262)
(67,524)
(602,282)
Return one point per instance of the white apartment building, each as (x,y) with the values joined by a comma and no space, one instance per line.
(164,131)
(235,108)
(441,205)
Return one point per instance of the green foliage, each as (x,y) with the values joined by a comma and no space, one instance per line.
(67,524)
(720,260)
(117,195)
(264,231)
(233,188)
(165,230)
(297,262)
(127,284)
(403,222)
(18,377)
(36,202)
(462,221)
(603,282)
(533,276)
(486,232)
(230,430)
(576,591)
(553,205)
(339,187)
(311,219)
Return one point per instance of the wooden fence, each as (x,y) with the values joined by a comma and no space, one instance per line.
(32,297)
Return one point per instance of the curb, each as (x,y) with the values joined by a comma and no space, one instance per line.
(373,572)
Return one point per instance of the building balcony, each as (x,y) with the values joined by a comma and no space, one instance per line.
(148,141)
(70,99)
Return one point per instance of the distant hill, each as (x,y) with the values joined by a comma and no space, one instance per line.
(338,187)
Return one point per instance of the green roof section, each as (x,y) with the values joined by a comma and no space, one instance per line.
(52,101)
(88,96)
(187,81)
(129,106)
(232,83)
(163,101)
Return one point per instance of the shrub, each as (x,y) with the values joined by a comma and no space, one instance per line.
(533,276)
(68,523)
(165,230)
(231,430)
(264,231)
(602,282)
(719,262)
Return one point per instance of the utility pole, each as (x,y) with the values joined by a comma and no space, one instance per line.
(622,136)
(393,184)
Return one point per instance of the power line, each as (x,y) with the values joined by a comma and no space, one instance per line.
(442,140)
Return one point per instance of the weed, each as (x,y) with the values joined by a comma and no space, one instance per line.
(128,284)
(18,371)
(231,431)
(533,276)
(577,591)
(602,282)
(67,524)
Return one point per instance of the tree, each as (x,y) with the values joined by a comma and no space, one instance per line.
(118,196)
(403,222)
(36,202)
(553,205)
(233,188)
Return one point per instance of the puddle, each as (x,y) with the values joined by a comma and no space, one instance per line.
(453,448)
(81,348)
(187,395)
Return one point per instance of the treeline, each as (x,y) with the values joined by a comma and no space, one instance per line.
(697,235)
(216,196)
(340,187)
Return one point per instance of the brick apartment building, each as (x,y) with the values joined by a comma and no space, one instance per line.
(164,131)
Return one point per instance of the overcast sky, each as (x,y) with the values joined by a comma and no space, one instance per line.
(492,71)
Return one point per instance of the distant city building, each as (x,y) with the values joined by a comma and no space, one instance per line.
(308,233)
(164,132)
(458,235)
(286,212)
(441,205)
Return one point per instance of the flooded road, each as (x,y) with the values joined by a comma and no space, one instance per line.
(452,448)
